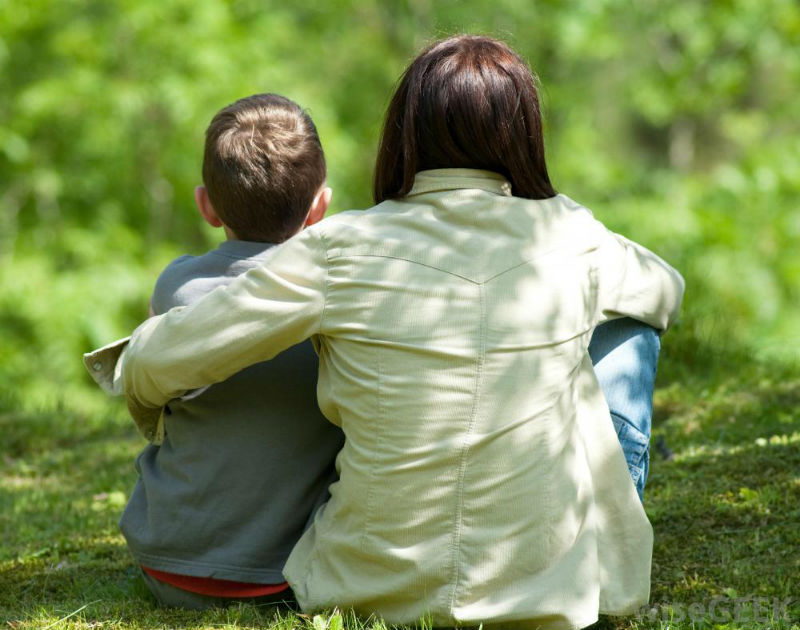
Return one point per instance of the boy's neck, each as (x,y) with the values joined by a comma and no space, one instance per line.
(232,237)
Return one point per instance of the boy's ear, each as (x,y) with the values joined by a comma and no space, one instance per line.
(204,206)
(319,206)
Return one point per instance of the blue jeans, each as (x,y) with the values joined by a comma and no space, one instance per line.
(625,354)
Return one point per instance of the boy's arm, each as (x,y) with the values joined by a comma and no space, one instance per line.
(634,282)
(258,315)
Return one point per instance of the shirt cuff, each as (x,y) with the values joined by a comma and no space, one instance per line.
(105,369)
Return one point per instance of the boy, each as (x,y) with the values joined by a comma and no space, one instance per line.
(241,465)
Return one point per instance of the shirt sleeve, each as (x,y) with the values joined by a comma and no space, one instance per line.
(168,283)
(258,315)
(634,282)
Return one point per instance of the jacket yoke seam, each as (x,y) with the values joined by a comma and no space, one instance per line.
(409,260)
(422,263)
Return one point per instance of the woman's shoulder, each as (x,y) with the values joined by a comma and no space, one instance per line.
(561,215)
(352,225)
(567,205)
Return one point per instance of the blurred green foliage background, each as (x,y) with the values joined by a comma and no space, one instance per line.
(676,122)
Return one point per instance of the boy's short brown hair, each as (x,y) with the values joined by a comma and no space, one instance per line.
(262,166)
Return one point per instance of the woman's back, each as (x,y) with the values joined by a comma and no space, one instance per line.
(453,353)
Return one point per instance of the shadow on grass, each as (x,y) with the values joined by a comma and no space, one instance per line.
(725,508)
(31,433)
(95,581)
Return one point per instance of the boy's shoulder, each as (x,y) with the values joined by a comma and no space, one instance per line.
(188,278)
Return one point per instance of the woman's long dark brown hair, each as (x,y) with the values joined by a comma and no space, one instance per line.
(464,102)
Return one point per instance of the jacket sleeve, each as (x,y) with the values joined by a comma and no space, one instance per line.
(634,282)
(261,313)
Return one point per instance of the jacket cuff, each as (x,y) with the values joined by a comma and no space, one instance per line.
(102,366)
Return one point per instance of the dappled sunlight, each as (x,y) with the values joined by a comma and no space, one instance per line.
(759,410)
(63,477)
(723,506)
(461,378)
(717,516)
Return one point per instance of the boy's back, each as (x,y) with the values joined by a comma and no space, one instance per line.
(243,463)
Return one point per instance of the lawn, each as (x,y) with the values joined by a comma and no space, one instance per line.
(723,497)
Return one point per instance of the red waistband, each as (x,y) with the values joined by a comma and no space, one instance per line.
(215,587)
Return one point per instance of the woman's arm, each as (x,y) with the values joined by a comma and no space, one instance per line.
(634,282)
(261,313)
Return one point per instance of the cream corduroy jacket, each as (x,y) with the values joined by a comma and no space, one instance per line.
(481,479)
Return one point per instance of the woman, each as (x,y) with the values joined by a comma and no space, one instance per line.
(480,481)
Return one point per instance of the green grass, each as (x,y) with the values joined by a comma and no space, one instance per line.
(725,508)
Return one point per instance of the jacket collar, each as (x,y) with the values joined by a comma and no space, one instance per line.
(459,178)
